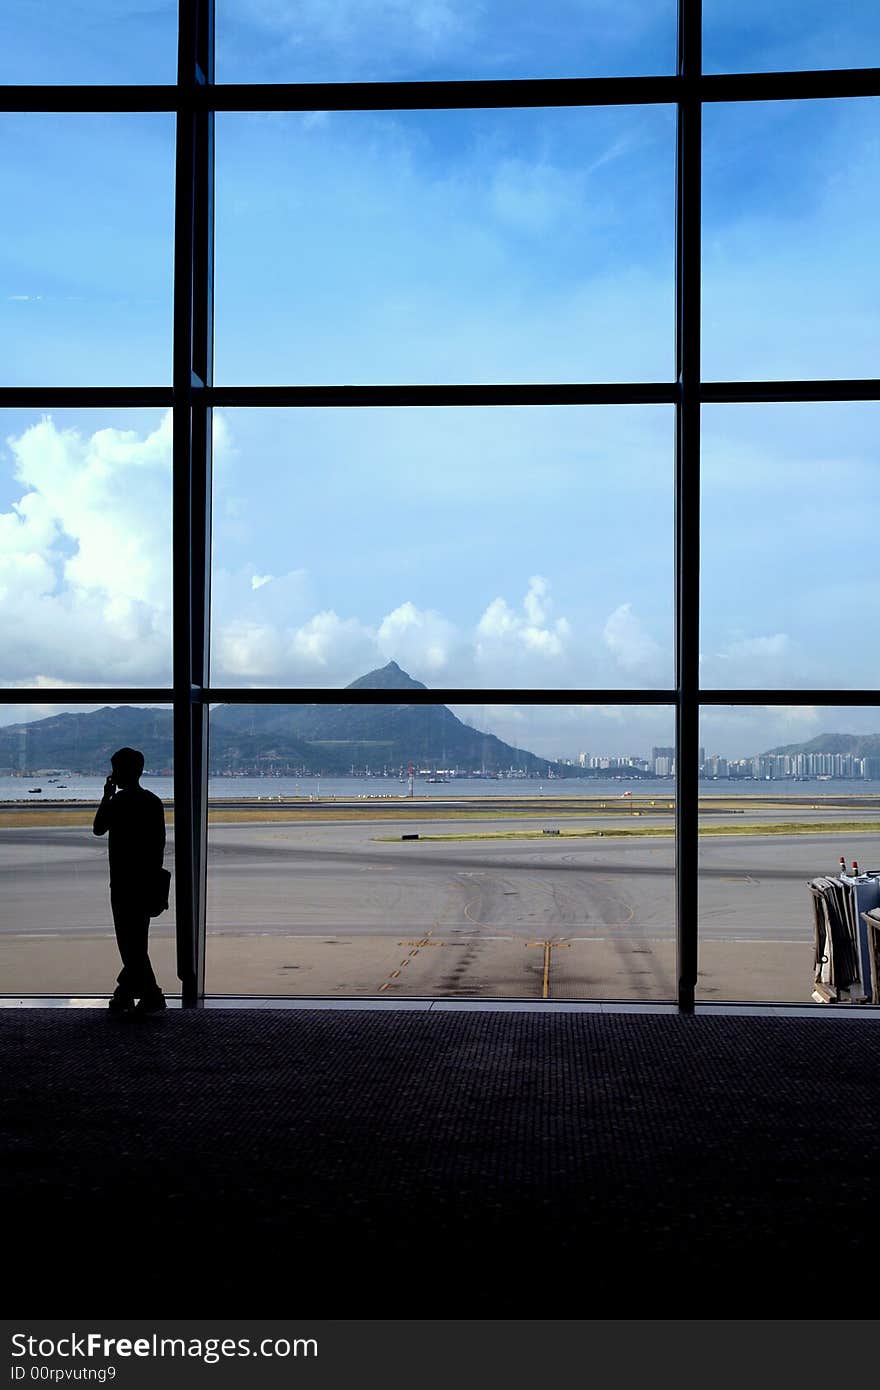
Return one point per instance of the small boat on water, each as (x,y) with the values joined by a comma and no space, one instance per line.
(35,789)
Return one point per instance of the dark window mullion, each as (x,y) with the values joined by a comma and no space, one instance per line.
(757,392)
(202,452)
(489,393)
(687,500)
(743,696)
(489,94)
(295,695)
(185,749)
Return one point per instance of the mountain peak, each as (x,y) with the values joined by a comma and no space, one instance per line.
(389,677)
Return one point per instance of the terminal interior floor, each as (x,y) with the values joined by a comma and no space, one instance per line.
(407,1164)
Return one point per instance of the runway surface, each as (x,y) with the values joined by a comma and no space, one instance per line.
(339,907)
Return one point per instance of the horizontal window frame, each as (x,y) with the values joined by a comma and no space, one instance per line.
(462,395)
(471,94)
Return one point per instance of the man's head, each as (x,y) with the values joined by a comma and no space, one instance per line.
(127,764)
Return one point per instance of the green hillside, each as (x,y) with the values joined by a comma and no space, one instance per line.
(315,738)
(859,745)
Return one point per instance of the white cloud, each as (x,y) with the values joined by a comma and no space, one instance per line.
(504,633)
(258,580)
(770,659)
(245,651)
(333,648)
(631,646)
(421,639)
(330,646)
(85,557)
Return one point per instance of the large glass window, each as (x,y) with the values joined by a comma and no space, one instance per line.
(82,41)
(790,280)
(489,547)
(445,246)
(406,40)
(749,36)
(789,801)
(525,397)
(789,586)
(85,548)
(58,935)
(86,249)
(480,852)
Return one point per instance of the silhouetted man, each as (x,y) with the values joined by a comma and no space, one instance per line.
(136,821)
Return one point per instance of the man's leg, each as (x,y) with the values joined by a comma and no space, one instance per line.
(132,923)
(123,997)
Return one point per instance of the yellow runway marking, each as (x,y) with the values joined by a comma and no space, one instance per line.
(548,947)
(395,974)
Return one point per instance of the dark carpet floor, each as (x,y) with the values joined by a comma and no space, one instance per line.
(355,1164)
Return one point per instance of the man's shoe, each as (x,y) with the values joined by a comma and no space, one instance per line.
(151,1003)
(120,1002)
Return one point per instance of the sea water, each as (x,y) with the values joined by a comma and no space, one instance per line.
(74,787)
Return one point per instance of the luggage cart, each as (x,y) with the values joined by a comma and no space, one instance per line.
(848,898)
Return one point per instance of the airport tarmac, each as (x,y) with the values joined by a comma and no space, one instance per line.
(351,908)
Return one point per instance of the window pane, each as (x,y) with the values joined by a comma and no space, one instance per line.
(527,547)
(786,793)
(751,36)
(58,935)
(88,41)
(508,851)
(790,203)
(86,249)
(448,246)
(406,40)
(790,590)
(85,548)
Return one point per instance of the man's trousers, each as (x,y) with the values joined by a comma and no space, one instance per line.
(132,922)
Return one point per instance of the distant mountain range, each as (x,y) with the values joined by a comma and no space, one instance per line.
(336,738)
(859,745)
(298,739)
(314,739)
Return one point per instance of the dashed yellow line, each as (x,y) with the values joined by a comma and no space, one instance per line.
(395,974)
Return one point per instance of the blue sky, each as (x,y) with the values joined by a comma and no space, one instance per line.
(396,40)
(477,548)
